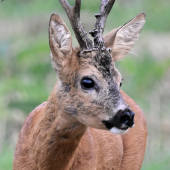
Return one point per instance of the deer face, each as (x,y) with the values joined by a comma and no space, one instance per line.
(88,81)
(96,97)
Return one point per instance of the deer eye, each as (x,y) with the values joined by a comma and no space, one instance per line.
(87,83)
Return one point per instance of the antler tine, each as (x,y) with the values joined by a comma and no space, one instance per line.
(106,6)
(73,13)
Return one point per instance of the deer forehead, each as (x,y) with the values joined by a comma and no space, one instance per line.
(99,64)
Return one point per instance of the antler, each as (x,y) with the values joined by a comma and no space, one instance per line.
(73,13)
(106,6)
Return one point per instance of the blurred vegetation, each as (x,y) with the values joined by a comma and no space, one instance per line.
(27,78)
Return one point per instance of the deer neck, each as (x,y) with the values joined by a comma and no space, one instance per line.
(62,136)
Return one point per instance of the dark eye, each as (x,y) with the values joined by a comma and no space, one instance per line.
(87,83)
(120,84)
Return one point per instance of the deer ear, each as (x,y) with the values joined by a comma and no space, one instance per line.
(122,39)
(60,42)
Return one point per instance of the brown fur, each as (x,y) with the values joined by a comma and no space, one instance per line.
(42,146)
(66,132)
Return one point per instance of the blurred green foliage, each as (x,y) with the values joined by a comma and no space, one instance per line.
(142,74)
(156,10)
(6,157)
(26,75)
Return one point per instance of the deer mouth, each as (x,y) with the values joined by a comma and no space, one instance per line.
(119,131)
(114,129)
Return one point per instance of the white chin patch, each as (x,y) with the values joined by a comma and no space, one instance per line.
(115,130)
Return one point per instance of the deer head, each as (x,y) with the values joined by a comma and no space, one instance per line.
(88,86)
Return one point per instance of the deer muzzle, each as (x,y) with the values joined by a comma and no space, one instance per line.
(121,122)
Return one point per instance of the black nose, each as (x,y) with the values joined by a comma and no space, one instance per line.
(122,120)
(126,117)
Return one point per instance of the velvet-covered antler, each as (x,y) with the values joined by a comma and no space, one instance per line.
(97,33)
(73,13)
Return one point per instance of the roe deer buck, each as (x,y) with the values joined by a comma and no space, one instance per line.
(76,129)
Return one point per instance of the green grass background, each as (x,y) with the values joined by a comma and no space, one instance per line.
(27,78)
